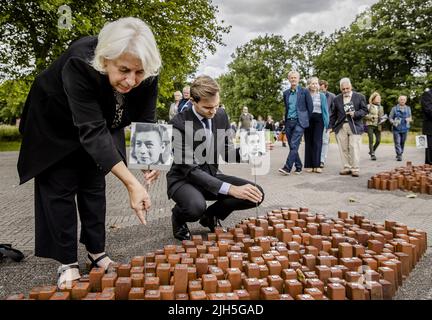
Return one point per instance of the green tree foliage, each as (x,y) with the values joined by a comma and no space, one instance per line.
(184,30)
(302,50)
(387,49)
(12,97)
(255,78)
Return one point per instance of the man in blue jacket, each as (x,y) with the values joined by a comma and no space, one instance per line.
(298,109)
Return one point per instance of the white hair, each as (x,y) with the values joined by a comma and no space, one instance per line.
(309,81)
(345,80)
(127,35)
(294,72)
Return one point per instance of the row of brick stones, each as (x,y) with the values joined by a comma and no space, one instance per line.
(417,179)
(287,254)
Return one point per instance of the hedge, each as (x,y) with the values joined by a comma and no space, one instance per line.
(9,133)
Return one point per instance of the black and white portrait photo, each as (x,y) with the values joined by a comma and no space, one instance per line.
(150,146)
(252,144)
(421,142)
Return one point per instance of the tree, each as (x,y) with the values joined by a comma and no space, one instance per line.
(32,38)
(12,97)
(387,48)
(255,78)
(302,51)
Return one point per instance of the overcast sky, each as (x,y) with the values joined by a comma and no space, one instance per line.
(251,18)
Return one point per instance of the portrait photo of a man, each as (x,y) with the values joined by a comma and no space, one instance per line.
(150,145)
(252,144)
(421,142)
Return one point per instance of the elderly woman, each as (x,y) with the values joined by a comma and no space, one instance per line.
(73,135)
(319,120)
(400,117)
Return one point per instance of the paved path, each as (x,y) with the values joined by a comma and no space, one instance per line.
(324,193)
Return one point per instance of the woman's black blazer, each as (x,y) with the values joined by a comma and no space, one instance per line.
(70,105)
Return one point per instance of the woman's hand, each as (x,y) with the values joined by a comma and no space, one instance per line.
(150,176)
(138,196)
(139,201)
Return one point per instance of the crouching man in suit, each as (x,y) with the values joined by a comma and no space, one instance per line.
(201,136)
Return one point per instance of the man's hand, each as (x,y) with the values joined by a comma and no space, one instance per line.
(139,201)
(246,192)
(351,114)
(150,176)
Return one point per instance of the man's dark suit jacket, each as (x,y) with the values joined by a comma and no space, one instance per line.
(338,115)
(71,105)
(304,106)
(187,168)
(426,102)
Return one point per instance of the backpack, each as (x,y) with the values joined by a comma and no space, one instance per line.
(7,251)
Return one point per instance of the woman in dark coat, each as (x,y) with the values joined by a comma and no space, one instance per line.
(319,120)
(73,135)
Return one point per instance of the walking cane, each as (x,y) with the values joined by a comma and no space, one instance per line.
(355,129)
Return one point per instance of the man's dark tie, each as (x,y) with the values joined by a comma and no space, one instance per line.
(206,123)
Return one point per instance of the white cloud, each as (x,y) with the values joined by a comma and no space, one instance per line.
(251,18)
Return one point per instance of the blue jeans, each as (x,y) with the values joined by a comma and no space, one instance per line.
(399,141)
(294,134)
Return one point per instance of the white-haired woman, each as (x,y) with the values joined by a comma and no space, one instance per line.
(318,121)
(73,135)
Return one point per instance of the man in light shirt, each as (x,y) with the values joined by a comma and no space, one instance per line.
(348,110)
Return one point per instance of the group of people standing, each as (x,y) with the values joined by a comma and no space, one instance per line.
(314,113)
(181,102)
(400,118)
(306,113)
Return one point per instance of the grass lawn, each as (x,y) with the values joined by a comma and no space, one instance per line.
(386,138)
(9,146)
(15,145)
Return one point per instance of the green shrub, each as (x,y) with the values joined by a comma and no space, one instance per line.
(9,133)
(13,94)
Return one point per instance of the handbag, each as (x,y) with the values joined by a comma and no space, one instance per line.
(7,251)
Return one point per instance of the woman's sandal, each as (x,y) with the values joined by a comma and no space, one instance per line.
(66,275)
(93,263)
